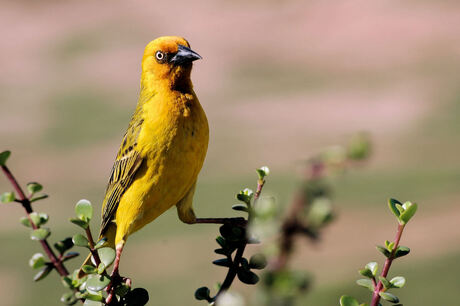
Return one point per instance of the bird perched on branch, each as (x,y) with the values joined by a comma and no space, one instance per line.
(162,151)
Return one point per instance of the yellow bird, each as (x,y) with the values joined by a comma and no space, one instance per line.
(162,151)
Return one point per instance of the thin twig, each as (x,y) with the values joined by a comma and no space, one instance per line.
(233,269)
(25,202)
(386,266)
(91,246)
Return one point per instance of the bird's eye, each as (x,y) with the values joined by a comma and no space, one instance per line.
(159,56)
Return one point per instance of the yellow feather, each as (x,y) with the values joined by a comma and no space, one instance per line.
(162,151)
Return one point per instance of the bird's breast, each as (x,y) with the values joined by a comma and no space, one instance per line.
(174,141)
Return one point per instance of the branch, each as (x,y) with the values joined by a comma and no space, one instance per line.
(233,269)
(26,204)
(386,266)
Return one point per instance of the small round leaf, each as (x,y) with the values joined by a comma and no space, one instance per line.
(398,282)
(80,240)
(25,221)
(107,255)
(40,234)
(7,197)
(366,283)
(43,273)
(202,293)
(373,267)
(96,282)
(247,277)
(409,212)
(401,251)
(34,187)
(346,300)
(258,261)
(37,261)
(389,297)
(84,210)
(88,269)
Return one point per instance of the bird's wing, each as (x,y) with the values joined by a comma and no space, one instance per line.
(124,169)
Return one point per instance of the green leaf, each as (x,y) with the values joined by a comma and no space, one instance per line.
(96,282)
(409,212)
(68,298)
(373,267)
(240,207)
(39,218)
(122,290)
(389,297)
(88,269)
(37,261)
(25,221)
(366,272)
(43,273)
(80,223)
(95,298)
(4,157)
(67,282)
(40,234)
(38,198)
(100,243)
(80,240)
(392,204)
(34,187)
(202,293)
(383,250)
(398,282)
(221,241)
(401,251)
(245,196)
(385,282)
(257,261)
(89,302)
(101,268)
(224,262)
(262,172)
(84,210)
(107,255)
(7,197)
(64,245)
(70,255)
(220,251)
(346,300)
(247,277)
(366,283)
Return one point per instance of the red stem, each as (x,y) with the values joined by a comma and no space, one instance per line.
(386,266)
(91,246)
(25,202)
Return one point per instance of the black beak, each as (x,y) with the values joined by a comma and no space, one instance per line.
(184,55)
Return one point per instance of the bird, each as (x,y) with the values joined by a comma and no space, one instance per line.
(162,151)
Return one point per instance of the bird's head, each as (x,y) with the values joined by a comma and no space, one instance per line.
(168,59)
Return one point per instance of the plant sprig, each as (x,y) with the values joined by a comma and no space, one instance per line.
(380,284)
(233,239)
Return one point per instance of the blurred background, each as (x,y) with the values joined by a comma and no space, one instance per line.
(279,81)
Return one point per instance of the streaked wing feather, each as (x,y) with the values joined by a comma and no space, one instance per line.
(123,171)
(122,176)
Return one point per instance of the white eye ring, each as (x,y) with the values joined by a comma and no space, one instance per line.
(159,55)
